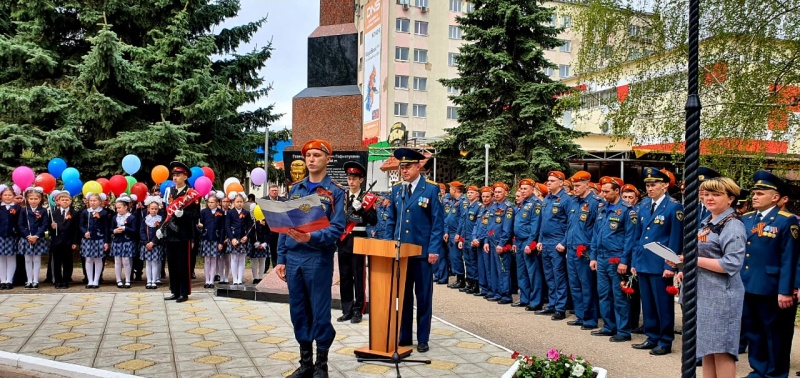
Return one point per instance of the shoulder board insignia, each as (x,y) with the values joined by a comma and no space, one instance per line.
(337,184)
(786,213)
(397,183)
(673,200)
(749,212)
(431,182)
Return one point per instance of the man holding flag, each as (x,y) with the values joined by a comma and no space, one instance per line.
(305,262)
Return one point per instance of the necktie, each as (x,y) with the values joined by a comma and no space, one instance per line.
(653,208)
(759,216)
(406,189)
(352,197)
(63,213)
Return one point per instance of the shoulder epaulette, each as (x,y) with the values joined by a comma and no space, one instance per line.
(785,213)
(397,183)
(749,212)
(431,182)
(673,200)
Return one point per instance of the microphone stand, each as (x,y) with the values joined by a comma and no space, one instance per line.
(396,359)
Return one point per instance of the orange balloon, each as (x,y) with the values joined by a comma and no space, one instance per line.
(159,174)
(235,187)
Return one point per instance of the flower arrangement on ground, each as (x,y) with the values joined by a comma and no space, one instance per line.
(555,365)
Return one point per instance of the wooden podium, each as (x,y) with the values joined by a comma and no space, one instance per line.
(383,322)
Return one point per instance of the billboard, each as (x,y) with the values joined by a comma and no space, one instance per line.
(372,80)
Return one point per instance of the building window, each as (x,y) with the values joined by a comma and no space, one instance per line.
(401,109)
(455,5)
(566,21)
(401,54)
(420,110)
(420,83)
(418,134)
(553,19)
(420,28)
(470,7)
(549,71)
(455,32)
(452,112)
(451,59)
(361,38)
(453,91)
(566,46)
(420,3)
(401,2)
(420,56)
(563,70)
(400,82)
(402,25)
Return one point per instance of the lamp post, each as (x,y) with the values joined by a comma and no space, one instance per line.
(266,154)
(486,166)
(691,165)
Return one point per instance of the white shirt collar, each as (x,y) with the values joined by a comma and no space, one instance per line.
(659,200)
(414,183)
(765,212)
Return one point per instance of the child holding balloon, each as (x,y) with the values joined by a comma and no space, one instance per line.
(123,246)
(151,250)
(33,223)
(212,236)
(9,237)
(260,251)
(94,227)
(238,225)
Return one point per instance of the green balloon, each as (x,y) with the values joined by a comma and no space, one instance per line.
(131,182)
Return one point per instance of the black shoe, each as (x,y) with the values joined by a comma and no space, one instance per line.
(575,323)
(457,285)
(344,318)
(65,286)
(423,347)
(216,278)
(660,351)
(492,299)
(120,285)
(519,304)
(643,346)
(479,294)
(356,318)
(504,301)
(558,316)
(638,331)
(545,311)
(127,285)
(35,285)
(172,298)
(619,338)
(588,327)
(602,332)
(405,343)
(88,286)
(535,308)
(441,282)
(256,282)
(28,285)
(138,278)
(182,298)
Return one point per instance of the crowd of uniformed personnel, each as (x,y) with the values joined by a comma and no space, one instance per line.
(574,244)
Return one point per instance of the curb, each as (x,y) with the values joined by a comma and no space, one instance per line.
(62,369)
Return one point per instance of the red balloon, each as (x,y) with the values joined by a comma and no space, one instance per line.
(140,190)
(104,183)
(208,172)
(45,181)
(118,184)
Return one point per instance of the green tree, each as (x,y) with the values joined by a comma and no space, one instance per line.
(505,99)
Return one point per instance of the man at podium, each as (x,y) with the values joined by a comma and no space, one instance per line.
(416,216)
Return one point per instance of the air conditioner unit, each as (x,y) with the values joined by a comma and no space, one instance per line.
(424,9)
(405,6)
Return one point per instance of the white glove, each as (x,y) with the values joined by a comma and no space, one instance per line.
(159,234)
(356,204)
(178,213)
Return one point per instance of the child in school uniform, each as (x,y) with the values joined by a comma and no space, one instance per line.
(123,245)
(64,239)
(9,237)
(96,236)
(260,251)
(139,212)
(33,222)
(151,251)
(238,225)
(224,260)
(212,230)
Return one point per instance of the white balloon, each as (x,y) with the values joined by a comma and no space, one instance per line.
(228,181)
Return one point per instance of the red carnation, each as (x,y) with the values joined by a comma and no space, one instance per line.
(491,233)
(627,290)
(613,260)
(515,355)
(672,290)
(533,246)
(580,250)
(507,248)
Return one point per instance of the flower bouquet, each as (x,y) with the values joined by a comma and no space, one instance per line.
(626,284)
(555,365)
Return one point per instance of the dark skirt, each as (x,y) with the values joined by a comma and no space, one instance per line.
(256,253)
(92,248)
(242,248)
(156,254)
(208,248)
(123,249)
(8,246)
(41,247)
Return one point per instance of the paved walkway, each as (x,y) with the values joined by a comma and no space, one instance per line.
(141,334)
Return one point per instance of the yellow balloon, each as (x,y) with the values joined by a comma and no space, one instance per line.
(92,187)
(258,213)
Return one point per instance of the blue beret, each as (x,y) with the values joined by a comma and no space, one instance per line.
(766,180)
(651,174)
(407,155)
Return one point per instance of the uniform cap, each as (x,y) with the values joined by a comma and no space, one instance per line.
(408,156)
(526,181)
(654,175)
(542,188)
(457,184)
(608,179)
(558,174)
(486,189)
(744,194)
(473,188)
(317,144)
(704,173)
(353,168)
(671,177)
(178,167)
(767,180)
(442,185)
(630,188)
(581,176)
(500,185)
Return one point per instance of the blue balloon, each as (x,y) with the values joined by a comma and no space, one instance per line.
(131,164)
(197,172)
(164,186)
(56,167)
(74,187)
(70,174)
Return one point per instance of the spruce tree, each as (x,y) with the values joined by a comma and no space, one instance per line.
(505,98)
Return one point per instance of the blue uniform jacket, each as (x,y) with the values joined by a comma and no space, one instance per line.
(148,234)
(380,227)
(423,217)
(581,217)
(323,242)
(453,219)
(213,225)
(664,226)
(33,222)
(9,221)
(501,222)
(615,233)
(482,223)
(554,218)
(131,229)
(527,221)
(238,224)
(96,225)
(771,253)
(470,222)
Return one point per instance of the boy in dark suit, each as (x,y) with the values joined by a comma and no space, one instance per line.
(63,239)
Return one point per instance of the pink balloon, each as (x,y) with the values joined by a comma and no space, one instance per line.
(203,185)
(23,177)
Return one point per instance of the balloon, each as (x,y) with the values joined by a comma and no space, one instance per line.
(52,200)
(140,190)
(197,172)
(130,182)
(258,213)
(117,184)
(164,186)
(46,181)
(23,177)
(234,187)
(258,176)
(131,164)
(56,167)
(70,174)
(208,172)
(104,182)
(73,186)
(159,174)
(203,185)
(228,182)
(92,187)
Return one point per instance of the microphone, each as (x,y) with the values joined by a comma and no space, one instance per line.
(406,190)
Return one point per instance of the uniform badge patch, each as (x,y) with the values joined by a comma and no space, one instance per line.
(583,217)
(555,210)
(613,225)
(498,220)
(679,215)
(509,215)
(795,231)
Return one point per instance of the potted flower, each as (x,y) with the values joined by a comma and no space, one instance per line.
(555,365)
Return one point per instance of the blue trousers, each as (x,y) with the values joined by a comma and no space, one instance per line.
(456,258)
(471,261)
(502,270)
(555,272)
(769,331)
(658,309)
(419,286)
(441,271)
(491,271)
(309,279)
(483,270)
(582,287)
(529,276)
(614,306)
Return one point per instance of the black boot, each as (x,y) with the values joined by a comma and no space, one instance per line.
(472,287)
(306,369)
(321,367)
(466,287)
(459,282)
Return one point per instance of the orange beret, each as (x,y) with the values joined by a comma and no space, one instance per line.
(442,186)
(526,181)
(317,144)
(594,186)
(630,188)
(581,176)
(486,189)
(671,177)
(558,174)
(500,185)
(608,180)
(569,184)
(457,184)
(542,188)
(472,188)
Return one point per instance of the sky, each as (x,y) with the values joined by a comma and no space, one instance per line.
(288,25)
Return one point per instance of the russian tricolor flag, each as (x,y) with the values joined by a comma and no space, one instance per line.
(303,214)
